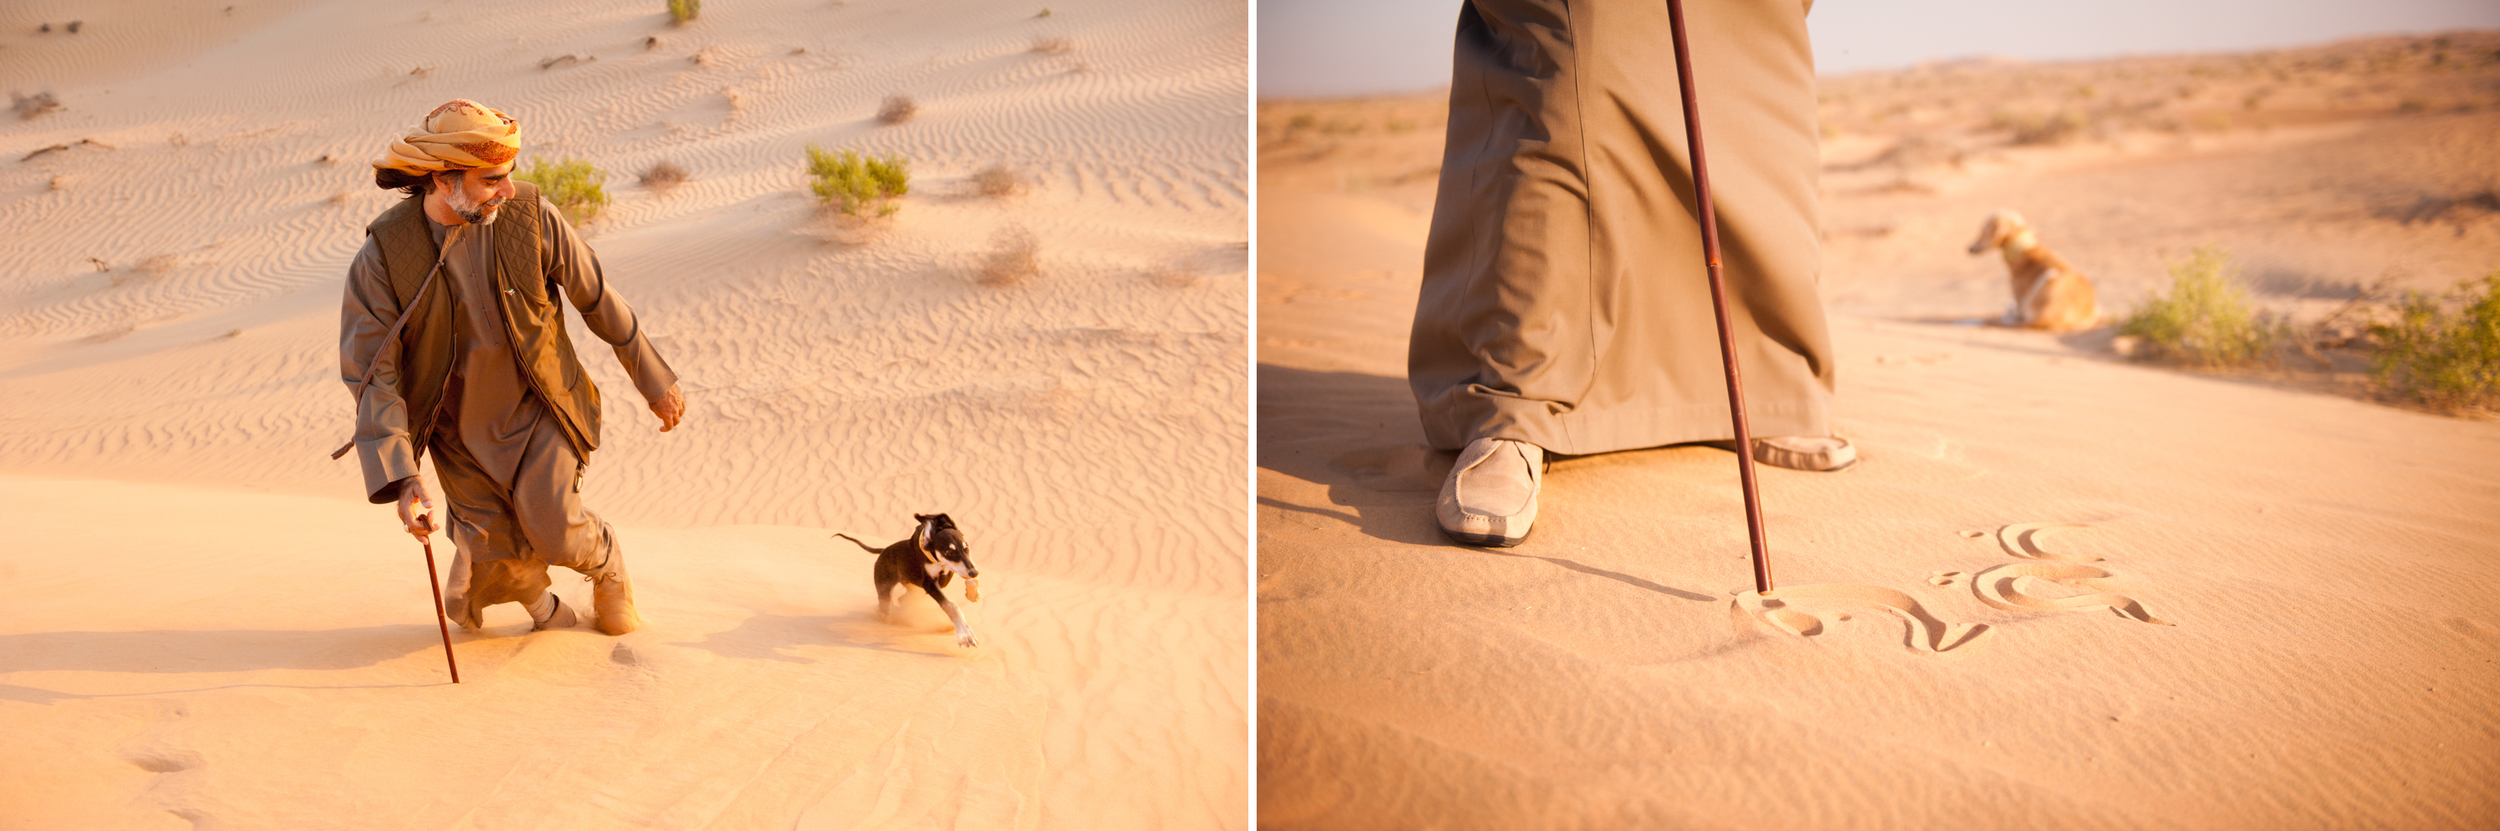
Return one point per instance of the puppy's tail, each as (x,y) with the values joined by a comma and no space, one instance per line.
(862,545)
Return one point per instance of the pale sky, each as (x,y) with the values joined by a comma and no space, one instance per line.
(1356,47)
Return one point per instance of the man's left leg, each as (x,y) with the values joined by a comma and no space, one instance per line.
(547,499)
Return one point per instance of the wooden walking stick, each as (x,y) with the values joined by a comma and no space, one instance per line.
(441,620)
(1718,301)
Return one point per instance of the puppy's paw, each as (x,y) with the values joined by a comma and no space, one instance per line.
(966,638)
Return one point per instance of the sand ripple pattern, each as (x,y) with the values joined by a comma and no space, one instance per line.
(199,204)
(175,318)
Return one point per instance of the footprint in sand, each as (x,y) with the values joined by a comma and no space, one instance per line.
(2023,540)
(2012,587)
(1790,609)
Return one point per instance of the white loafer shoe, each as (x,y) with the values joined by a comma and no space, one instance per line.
(1490,497)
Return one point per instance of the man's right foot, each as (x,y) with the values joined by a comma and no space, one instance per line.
(1490,497)
(612,596)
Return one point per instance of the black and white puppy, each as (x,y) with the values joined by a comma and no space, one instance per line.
(930,560)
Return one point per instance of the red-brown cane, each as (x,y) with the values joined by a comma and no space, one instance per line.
(426,521)
(1718,302)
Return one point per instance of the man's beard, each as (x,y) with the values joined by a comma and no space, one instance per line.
(472,212)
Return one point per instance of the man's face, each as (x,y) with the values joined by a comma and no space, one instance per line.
(477,193)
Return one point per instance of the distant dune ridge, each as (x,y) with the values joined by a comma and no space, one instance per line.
(203,622)
(2059,589)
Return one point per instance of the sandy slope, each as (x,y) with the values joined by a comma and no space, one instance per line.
(2250,606)
(200,620)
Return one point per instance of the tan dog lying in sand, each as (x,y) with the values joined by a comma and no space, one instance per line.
(2048,292)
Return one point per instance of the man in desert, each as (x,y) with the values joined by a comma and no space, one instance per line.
(1565,306)
(482,372)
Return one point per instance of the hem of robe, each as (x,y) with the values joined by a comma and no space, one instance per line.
(1474,411)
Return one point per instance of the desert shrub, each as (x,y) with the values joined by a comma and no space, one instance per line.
(2444,352)
(2205,319)
(2027,128)
(577,187)
(852,183)
(897,109)
(999,180)
(663,176)
(1012,257)
(680,11)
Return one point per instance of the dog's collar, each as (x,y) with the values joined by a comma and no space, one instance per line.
(2021,243)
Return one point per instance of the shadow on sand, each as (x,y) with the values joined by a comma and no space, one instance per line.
(1357,435)
(223,650)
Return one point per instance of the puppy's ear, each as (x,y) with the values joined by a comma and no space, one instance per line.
(920,540)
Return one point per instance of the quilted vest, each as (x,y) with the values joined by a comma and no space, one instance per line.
(532,320)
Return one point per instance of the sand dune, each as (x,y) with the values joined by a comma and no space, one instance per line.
(204,623)
(2059,590)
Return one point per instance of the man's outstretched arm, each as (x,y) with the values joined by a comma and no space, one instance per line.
(575,269)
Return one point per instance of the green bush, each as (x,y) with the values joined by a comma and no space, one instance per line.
(575,186)
(852,183)
(680,11)
(2205,320)
(2445,355)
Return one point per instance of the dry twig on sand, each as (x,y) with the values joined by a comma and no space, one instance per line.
(1012,257)
(59,147)
(664,176)
(897,109)
(1000,180)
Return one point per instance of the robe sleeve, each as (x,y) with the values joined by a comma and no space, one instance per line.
(572,266)
(383,447)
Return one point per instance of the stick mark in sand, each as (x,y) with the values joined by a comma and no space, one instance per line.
(1784,609)
(2006,587)
(2023,540)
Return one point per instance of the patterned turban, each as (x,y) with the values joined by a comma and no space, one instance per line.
(457,135)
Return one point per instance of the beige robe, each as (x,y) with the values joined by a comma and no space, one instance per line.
(1565,301)
(509,473)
